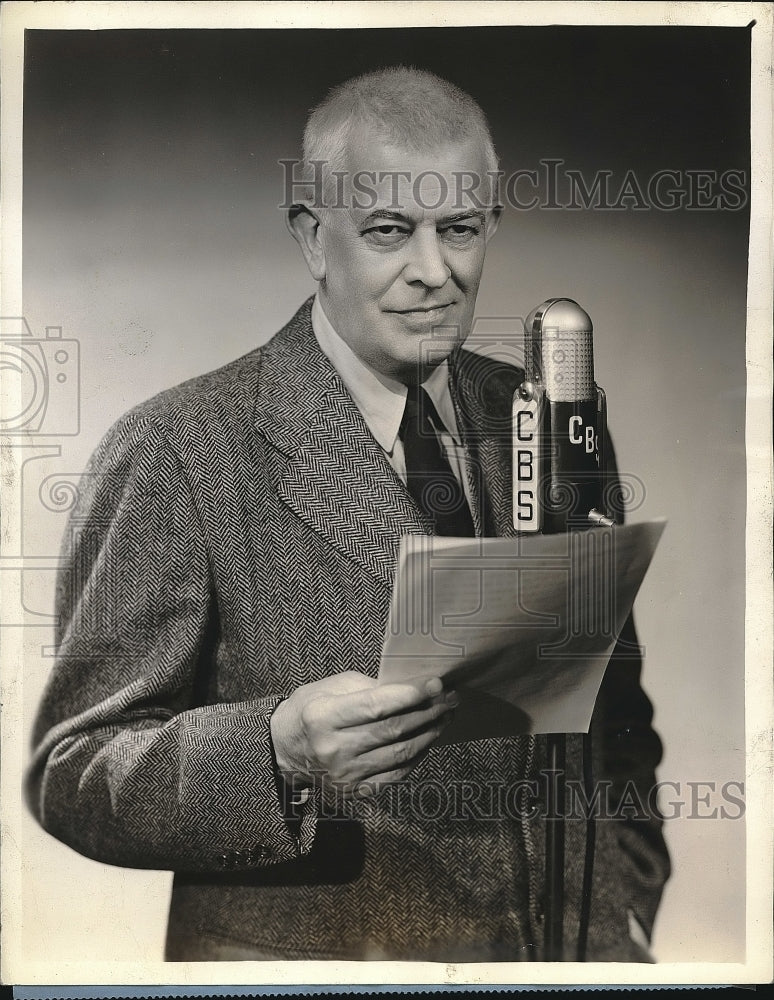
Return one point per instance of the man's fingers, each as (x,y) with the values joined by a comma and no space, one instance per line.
(398,728)
(402,755)
(352,735)
(382,701)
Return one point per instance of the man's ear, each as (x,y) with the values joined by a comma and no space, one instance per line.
(493,217)
(304,226)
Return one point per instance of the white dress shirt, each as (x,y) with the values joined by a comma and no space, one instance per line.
(382,400)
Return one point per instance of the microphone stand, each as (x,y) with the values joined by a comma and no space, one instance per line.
(553,944)
(557,398)
(556,746)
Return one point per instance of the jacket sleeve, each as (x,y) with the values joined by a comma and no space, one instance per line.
(130,766)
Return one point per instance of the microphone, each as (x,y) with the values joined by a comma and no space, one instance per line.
(559,429)
(559,424)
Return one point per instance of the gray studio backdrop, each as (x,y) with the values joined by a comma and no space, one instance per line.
(152,236)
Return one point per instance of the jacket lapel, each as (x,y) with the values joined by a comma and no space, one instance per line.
(325,463)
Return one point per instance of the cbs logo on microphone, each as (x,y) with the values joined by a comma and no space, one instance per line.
(41,381)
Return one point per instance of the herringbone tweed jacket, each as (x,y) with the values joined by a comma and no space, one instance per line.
(236,537)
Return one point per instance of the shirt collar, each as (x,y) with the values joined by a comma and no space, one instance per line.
(381,400)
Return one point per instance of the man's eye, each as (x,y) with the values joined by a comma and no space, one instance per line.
(460,232)
(386,235)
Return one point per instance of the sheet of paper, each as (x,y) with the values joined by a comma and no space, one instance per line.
(522,627)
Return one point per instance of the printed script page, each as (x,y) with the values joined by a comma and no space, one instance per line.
(522,628)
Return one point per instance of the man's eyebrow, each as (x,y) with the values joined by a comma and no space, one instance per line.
(384,213)
(471,213)
(447,220)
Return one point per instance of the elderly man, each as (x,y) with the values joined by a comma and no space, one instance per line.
(214,708)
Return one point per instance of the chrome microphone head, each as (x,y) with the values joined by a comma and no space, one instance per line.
(559,350)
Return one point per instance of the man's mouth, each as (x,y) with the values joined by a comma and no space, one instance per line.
(426,311)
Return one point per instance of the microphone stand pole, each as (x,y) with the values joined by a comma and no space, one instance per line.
(554,893)
(556,746)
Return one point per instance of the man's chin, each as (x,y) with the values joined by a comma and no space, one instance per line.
(418,367)
(434,352)
(425,349)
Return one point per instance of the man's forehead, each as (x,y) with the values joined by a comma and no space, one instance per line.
(385,174)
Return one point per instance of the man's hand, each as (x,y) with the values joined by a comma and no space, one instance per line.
(347,729)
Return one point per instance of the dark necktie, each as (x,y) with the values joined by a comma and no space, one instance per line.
(429,477)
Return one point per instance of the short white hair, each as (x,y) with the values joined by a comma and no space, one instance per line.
(408,107)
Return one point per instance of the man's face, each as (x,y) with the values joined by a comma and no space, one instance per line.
(402,268)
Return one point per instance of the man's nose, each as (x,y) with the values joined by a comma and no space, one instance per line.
(427,264)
